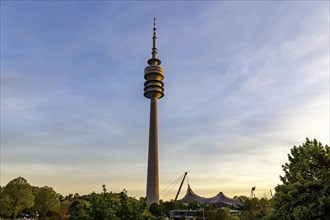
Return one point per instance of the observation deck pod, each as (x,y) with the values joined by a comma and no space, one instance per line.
(153,86)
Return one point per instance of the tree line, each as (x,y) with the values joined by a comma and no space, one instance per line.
(304,194)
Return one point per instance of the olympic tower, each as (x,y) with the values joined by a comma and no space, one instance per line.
(153,90)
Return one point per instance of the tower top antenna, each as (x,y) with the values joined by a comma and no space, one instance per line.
(154,26)
(154,45)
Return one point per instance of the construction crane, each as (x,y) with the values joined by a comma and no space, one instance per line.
(177,194)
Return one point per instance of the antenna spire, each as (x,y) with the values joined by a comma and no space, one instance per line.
(154,37)
(154,58)
(154,25)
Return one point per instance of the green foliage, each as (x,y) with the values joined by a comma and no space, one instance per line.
(167,206)
(223,214)
(107,205)
(15,197)
(130,208)
(155,209)
(103,206)
(256,208)
(305,192)
(79,210)
(46,201)
(193,205)
(62,212)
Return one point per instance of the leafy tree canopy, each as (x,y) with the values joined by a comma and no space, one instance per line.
(46,200)
(305,192)
(223,214)
(15,197)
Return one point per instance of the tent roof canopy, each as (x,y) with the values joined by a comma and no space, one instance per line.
(220,198)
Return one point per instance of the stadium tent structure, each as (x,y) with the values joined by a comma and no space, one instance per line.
(220,199)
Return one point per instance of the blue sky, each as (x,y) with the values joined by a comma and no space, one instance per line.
(245,81)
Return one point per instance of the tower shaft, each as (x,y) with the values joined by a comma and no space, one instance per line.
(153,174)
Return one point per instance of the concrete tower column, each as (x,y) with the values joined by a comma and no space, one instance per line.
(153,173)
(153,90)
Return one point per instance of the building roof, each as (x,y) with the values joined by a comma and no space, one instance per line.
(220,198)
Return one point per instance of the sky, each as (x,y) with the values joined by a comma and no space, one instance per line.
(245,81)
